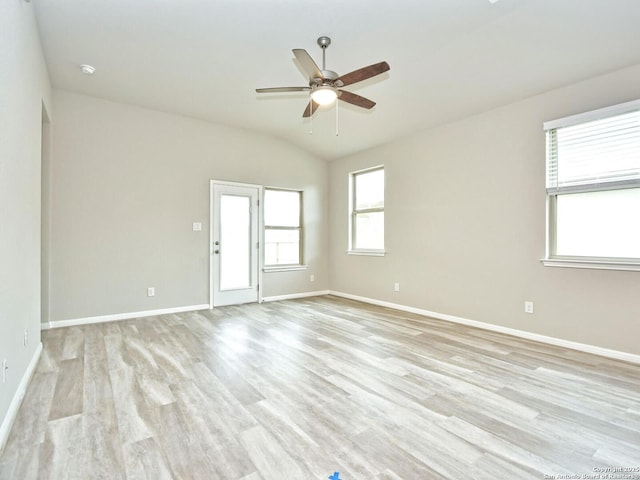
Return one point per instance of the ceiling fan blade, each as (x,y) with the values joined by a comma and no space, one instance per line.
(312,108)
(282,89)
(356,100)
(363,73)
(307,63)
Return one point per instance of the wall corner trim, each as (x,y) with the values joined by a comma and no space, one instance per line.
(121,316)
(293,296)
(558,342)
(12,413)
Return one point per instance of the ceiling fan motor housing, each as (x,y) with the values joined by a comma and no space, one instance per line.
(329,74)
(329,78)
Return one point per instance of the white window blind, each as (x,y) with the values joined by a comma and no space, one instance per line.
(600,153)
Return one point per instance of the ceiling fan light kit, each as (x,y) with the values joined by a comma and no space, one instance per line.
(325,86)
(324,95)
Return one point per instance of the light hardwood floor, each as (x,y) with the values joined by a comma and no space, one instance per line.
(304,388)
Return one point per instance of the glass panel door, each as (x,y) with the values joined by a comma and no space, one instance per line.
(234,244)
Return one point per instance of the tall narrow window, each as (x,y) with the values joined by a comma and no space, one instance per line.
(593,188)
(367,211)
(282,227)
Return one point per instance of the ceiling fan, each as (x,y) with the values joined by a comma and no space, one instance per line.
(326,85)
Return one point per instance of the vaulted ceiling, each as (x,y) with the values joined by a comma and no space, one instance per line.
(449,58)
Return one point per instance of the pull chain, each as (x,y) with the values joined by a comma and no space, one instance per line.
(311,115)
(337,122)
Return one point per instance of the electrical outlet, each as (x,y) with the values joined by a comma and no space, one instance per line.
(528,307)
(197,226)
(151,292)
(312,278)
(26,337)
(5,367)
(396,287)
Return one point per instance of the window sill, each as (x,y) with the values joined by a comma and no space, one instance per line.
(369,253)
(593,264)
(284,268)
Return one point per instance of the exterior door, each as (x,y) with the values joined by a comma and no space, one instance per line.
(234,243)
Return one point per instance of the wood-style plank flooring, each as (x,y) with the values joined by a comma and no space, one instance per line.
(301,389)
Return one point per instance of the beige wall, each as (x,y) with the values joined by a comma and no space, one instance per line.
(465,225)
(24,86)
(127,184)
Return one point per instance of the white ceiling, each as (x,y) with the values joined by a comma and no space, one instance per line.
(448,58)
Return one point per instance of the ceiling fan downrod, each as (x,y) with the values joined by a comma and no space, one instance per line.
(324,42)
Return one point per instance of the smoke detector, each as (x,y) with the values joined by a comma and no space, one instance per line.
(87,69)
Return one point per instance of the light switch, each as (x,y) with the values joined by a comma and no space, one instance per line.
(197,226)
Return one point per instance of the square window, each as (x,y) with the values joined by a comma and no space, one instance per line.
(593,186)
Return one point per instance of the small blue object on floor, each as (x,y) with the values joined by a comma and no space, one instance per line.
(335,476)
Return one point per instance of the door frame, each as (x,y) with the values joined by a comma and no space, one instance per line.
(260,262)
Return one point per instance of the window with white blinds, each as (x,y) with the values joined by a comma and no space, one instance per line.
(593,188)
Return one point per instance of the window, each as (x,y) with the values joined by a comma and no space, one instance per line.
(593,189)
(367,212)
(282,227)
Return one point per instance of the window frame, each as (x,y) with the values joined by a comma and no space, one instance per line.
(274,267)
(353,213)
(552,259)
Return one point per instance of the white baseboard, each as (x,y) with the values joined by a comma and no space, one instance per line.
(295,295)
(121,316)
(10,417)
(559,342)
